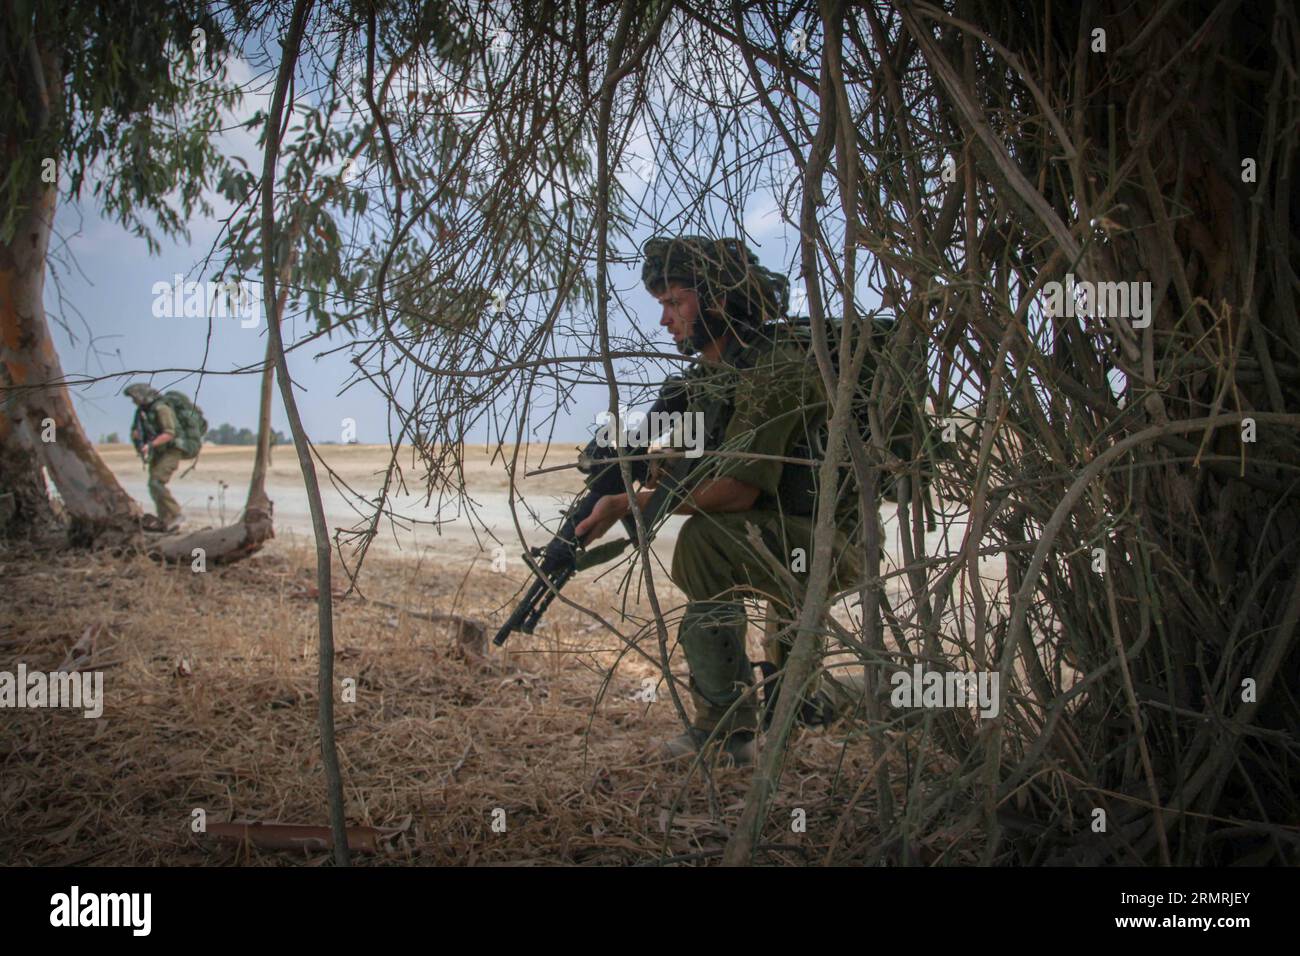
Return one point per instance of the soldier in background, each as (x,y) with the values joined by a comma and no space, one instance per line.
(153,432)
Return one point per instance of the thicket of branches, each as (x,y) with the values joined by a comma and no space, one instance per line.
(942,164)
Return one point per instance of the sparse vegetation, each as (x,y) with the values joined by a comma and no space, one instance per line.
(227,434)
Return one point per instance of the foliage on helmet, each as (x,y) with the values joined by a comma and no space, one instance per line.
(719,270)
(142,392)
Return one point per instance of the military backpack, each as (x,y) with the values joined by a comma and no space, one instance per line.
(191,426)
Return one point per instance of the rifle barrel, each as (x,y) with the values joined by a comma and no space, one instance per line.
(521,612)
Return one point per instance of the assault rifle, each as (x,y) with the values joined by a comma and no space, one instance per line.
(565,555)
(142,428)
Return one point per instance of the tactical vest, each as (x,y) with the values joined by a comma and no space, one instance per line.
(149,419)
(711,389)
(797,489)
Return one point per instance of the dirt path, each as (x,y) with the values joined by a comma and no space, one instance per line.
(456,532)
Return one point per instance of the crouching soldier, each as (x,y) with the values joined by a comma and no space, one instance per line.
(156,434)
(762,391)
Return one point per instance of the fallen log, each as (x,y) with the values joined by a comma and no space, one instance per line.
(219,545)
(301,836)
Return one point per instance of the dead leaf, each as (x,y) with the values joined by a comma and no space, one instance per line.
(310,593)
(80,654)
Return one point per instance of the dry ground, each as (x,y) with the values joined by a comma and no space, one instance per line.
(437,739)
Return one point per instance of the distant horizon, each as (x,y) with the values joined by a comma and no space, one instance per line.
(357,444)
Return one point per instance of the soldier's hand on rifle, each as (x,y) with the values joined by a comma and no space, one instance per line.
(655,469)
(608,510)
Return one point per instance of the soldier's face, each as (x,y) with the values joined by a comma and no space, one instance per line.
(681,307)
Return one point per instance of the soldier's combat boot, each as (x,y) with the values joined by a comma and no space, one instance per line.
(712,636)
(819,705)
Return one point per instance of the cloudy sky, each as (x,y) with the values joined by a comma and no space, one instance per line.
(103,309)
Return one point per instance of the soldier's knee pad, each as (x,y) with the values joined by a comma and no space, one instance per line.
(712,636)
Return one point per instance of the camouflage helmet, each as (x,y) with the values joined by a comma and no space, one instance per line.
(141,393)
(718,270)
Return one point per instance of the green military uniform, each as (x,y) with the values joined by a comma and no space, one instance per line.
(774,406)
(769,393)
(164,461)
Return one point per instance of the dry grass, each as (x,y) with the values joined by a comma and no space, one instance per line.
(435,741)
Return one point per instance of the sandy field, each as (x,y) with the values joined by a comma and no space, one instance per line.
(214,492)
(451,531)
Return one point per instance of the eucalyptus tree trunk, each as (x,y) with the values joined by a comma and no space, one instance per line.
(39,412)
(24,499)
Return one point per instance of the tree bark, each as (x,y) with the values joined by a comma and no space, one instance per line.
(25,509)
(100,511)
(258,502)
